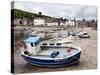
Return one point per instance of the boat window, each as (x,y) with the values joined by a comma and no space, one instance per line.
(51,43)
(44,43)
(32,45)
(58,44)
(36,43)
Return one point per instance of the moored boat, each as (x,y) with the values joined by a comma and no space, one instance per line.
(84,35)
(50,54)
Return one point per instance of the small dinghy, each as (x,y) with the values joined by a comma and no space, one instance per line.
(50,54)
(84,35)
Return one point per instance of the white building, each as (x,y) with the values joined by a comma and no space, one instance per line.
(70,23)
(20,21)
(52,24)
(39,21)
(62,23)
(16,21)
(24,21)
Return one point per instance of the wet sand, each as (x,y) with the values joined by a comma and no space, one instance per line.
(88,58)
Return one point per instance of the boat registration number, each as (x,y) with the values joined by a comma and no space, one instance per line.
(61,60)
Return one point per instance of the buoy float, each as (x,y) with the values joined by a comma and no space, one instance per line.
(69,49)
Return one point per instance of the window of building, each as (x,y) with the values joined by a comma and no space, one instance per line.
(58,44)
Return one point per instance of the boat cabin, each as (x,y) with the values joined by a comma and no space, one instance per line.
(33,44)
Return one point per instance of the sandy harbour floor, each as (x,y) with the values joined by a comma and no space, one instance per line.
(88,58)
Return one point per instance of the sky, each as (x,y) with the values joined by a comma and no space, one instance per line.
(59,10)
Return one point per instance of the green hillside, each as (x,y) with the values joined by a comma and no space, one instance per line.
(16,13)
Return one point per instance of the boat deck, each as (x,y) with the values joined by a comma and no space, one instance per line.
(46,52)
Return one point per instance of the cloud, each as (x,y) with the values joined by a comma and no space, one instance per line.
(59,10)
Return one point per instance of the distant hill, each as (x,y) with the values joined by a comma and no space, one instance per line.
(16,13)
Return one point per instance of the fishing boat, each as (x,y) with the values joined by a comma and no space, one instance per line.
(51,54)
(68,39)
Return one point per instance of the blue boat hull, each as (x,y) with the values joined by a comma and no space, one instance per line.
(53,63)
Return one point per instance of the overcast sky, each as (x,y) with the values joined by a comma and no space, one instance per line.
(59,10)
